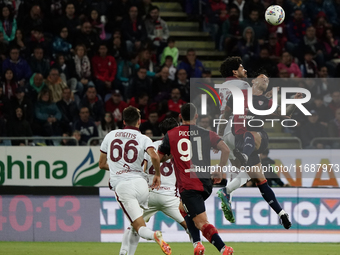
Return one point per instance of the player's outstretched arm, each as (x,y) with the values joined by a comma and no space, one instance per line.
(103,162)
(156,183)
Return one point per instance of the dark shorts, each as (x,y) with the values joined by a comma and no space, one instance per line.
(254,158)
(193,202)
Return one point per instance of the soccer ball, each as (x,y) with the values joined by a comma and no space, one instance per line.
(274,15)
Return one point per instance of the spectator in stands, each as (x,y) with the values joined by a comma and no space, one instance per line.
(141,103)
(321,25)
(3,48)
(94,104)
(314,8)
(21,100)
(296,30)
(183,84)
(97,25)
(312,129)
(231,30)
(288,64)
(106,125)
(318,105)
(115,105)
(69,20)
(19,66)
(61,45)
(175,102)
(331,46)
(334,127)
(170,50)
(309,68)
(311,43)
(32,21)
(215,14)
(47,115)
(270,174)
(253,5)
(148,133)
(82,67)
(191,65)
(323,86)
(19,43)
(145,60)
(4,106)
(56,85)
(8,84)
(139,84)
(67,73)
(264,62)
(69,110)
(144,8)
(248,47)
(205,122)
(36,40)
(134,31)
(152,124)
(274,47)
(157,29)
(169,64)
(335,103)
(104,70)
(240,6)
(118,12)
(18,126)
(162,85)
(35,85)
(38,64)
(258,25)
(8,24)
(86,126)
(85,36)
(118,49)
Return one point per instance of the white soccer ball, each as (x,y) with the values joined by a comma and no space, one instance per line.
(274,15)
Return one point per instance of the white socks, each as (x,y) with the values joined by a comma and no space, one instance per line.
(146,233)
(237,182)
(282,213)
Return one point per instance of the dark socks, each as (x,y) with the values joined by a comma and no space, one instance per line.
(268,195)
(194,232)
(249,144)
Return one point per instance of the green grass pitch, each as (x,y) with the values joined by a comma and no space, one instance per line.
(49,248)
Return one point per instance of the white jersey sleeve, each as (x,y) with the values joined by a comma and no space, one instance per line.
(225,93)
(168,177)
(125,150)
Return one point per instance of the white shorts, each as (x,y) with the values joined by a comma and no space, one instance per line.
(131,196)
(166,204)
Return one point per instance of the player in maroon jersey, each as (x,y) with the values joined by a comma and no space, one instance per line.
(190,147)
(251,140)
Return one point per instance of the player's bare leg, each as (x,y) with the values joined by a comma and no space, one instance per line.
(146,233)
(211,234)
(268,194)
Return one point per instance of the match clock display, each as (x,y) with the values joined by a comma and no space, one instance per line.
(49,218)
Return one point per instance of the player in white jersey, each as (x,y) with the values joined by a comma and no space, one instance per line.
(163,199)
(122,153)
(233,70)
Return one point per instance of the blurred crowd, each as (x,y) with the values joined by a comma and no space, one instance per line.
(70,67)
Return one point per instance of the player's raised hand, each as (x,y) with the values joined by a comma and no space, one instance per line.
(156,183)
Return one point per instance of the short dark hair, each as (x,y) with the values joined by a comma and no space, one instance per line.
(154,7)
(265,152)
(168,124)
(131,115)
(169,57)
(190,50)
(171,39)
(229,65)
(188,111)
